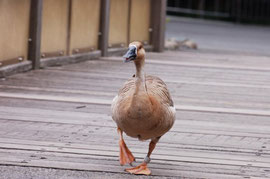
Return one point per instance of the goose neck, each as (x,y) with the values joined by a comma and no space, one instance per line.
(140,77)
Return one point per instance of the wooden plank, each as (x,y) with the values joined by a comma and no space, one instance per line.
(108,102)
(61,128)
(118,30)
(244,97)
(184,125)
(170,79)
(158,69)
(63,156)
(84,24)
(208,96)
(80,158)
(219,57)
(102,168)
(83,132)
(211,62)
(15,68)
(236,128)
(167,155)
(204,75)
(218,65)
(54,27)
(140,21)
(68,133)
(35,33)
(105,109)
(204,94)
(14,29)
(128,25)
(234,135)
(185,98)
(63,60)
(227,79)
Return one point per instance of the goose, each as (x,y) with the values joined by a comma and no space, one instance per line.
(143,109)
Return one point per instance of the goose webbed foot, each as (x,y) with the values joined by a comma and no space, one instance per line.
(141,169)
(125,154)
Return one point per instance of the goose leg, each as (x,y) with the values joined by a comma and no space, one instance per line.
(125,154)
(142,169)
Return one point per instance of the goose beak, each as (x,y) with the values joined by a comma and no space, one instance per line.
(131,54)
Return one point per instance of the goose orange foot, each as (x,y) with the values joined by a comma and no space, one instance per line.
(141,169)
(125,154)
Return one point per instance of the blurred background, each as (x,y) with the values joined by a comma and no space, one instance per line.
(232,25)
(244,11)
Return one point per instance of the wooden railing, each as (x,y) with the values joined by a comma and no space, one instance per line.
(33,31)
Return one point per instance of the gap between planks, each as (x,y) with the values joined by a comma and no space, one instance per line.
(108,102)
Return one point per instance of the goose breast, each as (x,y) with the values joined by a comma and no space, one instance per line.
(144,122)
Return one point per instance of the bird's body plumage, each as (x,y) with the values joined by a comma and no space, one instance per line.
(149,113)
(142,109)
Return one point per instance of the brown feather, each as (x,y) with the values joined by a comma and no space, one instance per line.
(143,107)
(156,121)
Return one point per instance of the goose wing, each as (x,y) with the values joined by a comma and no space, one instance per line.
(127,88)
(126,91)
(156,87)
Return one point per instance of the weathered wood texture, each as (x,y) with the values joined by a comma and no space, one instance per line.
(14,28)
(118,29)
(60,117)
(54,27)
(140,20)
(84,25)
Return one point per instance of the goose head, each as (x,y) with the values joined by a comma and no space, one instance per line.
(135,53)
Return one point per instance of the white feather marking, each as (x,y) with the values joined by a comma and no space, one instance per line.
(114,102)
(172,109)
(114,99)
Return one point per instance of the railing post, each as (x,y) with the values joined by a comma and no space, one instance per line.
(158,20)
(35,33)
(104,26)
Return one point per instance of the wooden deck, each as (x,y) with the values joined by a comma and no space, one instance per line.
(59,117)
